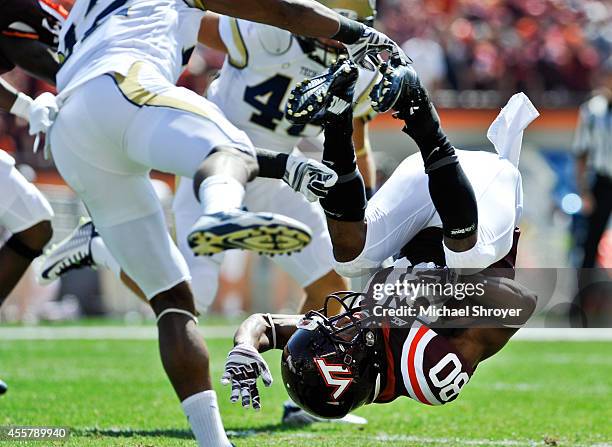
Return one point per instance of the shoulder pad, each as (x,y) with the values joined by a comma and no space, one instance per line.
(273,40)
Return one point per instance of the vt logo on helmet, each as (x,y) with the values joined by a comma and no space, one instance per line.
(335,376)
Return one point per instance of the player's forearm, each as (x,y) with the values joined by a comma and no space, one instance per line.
(265,331)
(303,17)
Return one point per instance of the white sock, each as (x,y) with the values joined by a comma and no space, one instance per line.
(203,415)
(220,193)
(102,257)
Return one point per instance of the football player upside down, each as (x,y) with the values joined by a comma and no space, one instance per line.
(446,208)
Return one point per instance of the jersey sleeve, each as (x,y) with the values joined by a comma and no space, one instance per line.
(363,106)
(247,41)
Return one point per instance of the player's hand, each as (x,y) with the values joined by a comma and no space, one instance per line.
(42,113)
(365,52)
(242,368)
(311,178)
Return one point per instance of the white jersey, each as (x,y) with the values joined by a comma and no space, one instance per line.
(103,36)
(263,65)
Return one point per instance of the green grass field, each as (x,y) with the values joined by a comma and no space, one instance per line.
(116,393)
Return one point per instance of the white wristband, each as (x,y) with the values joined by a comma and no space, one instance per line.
(21,106)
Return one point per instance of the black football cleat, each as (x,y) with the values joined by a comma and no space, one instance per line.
(3,387)
(400,89)
(323,97)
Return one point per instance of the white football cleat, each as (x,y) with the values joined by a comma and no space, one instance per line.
(294,415)
(264,233)
(72,253)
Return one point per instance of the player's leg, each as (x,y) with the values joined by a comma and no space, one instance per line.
(449,187)
(362,237)
(204,269)
(82,248)
(197,141)
(27,215)
(312,267)
(87,147)
(498,188)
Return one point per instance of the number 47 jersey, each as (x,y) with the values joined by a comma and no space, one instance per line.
(263,65)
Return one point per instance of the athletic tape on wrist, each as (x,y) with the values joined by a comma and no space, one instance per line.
(21,106)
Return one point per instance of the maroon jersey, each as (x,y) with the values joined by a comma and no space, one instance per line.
(30,19)
(422,365)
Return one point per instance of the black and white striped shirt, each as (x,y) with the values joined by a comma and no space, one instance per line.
(594,134)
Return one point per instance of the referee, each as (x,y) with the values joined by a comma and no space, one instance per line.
(593,150)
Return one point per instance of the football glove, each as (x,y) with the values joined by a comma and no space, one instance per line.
(365,52)
(311,178)
(242,368)
(42,113)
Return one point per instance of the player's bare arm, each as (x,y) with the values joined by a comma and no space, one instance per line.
(244,364)
(208,33)
(311,19)
(303,17)
(266,331)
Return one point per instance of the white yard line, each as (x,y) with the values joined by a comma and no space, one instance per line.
(99,332)
(214,332)
(564,334)
(425,440)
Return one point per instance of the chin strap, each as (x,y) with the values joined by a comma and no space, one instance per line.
(173,310)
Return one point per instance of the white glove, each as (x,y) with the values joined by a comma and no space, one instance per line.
(311,178)
(242,368)
(365,51)
(42,113)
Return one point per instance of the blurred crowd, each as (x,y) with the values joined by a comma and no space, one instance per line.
(498,46)
(530,45)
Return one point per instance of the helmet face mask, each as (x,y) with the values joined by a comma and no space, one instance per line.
(331,366)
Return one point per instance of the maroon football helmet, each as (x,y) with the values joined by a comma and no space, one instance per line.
(331,365)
